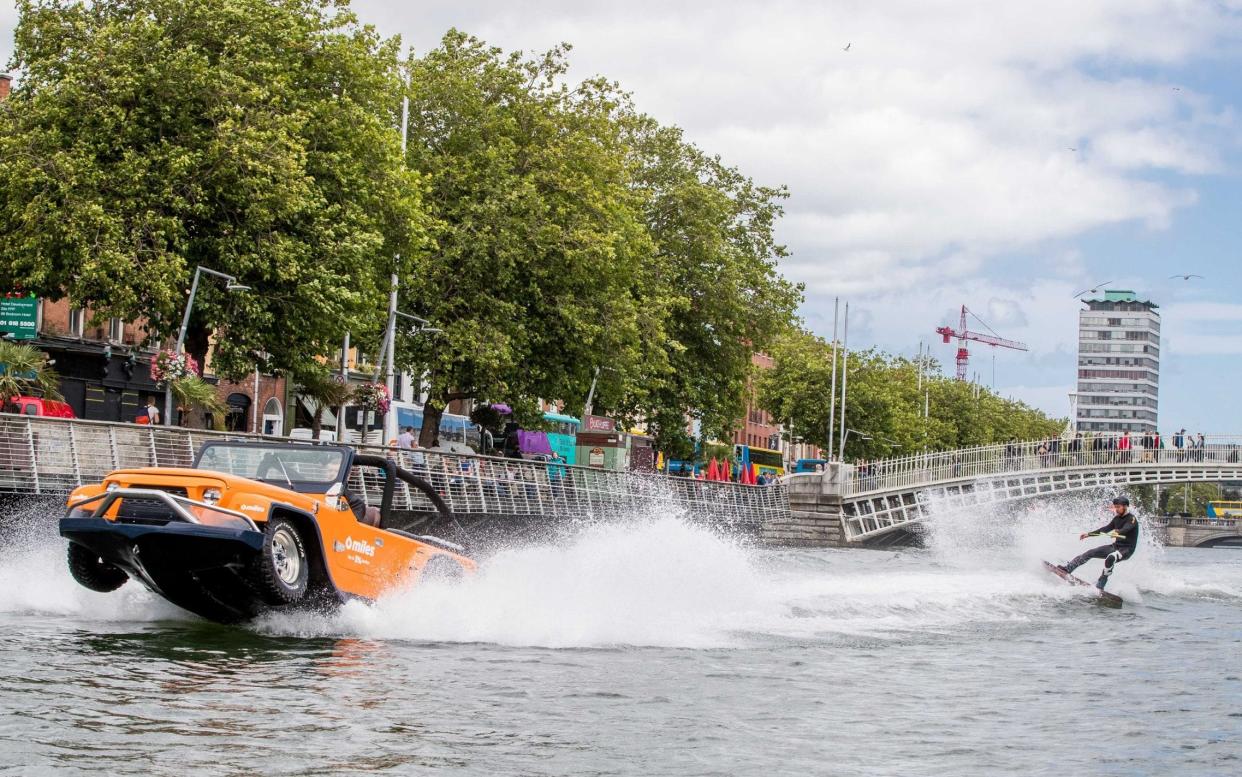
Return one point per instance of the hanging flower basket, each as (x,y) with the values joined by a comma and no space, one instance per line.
(372,396)
(170,366)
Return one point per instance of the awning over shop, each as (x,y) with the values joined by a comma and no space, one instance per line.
(329,413)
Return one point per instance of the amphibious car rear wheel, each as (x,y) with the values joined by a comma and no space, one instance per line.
(93,572)
(281,571)
(442,569)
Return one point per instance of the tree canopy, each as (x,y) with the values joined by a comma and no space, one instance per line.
(884,404)
(252,137)
(572,232)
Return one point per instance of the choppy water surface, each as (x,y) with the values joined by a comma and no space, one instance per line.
(654,648)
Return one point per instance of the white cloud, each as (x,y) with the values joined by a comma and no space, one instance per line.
(940,140)
(1202,329)
(1053,400)
(936,148)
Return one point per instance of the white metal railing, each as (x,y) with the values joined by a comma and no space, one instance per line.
(1037,456)
(53,455)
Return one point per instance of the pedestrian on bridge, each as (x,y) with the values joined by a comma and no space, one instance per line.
(1124,531)
(1179,441)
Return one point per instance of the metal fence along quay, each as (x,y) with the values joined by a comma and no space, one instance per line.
(52,456)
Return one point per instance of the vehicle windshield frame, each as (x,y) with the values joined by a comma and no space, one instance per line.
(277,476)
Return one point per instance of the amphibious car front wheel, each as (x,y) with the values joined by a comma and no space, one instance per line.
(281,570)
(93,572)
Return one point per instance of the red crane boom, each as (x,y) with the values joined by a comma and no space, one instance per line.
(963,334)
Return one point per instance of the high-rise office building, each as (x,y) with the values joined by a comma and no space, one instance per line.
(1118,364)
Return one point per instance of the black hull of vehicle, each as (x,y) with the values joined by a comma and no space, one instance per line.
(199,568)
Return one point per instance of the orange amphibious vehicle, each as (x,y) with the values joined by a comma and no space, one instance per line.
(253,527)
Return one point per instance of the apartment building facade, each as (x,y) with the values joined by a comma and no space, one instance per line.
(1118,364)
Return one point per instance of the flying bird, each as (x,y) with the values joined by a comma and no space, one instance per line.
(1071,149)
(1093,290)
(847,46)
(1186,277)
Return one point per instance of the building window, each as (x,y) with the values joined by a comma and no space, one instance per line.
(273,417)
(116,330)
(77,321)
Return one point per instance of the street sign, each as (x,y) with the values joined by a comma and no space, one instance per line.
(598,423)
(19,316)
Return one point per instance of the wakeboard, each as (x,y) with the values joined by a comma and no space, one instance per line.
(1104,597)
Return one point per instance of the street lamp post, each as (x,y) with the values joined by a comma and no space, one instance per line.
(231,285)
(845,438)
(588,406)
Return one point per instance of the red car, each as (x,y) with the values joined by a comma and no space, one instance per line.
(37,406)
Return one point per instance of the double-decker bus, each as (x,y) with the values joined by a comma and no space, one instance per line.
(762,460)
(1224,509)
(563,435)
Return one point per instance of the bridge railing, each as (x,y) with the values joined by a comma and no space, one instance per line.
(52,455)
(1038,455)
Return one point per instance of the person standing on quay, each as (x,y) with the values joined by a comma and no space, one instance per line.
(153,412)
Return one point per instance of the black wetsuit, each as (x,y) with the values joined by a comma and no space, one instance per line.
(1122,548)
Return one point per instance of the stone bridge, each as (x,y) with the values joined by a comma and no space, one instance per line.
(881,502)
(1202,532)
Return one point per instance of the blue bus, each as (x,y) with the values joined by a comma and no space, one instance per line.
(563,435)
(453,428)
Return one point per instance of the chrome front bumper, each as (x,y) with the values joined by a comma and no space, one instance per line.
(180,508)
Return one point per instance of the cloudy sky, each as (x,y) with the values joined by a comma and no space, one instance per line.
(999,155)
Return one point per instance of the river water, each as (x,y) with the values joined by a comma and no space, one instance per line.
(652,648)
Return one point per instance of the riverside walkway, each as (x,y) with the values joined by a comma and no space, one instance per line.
(847,506)
(53,455)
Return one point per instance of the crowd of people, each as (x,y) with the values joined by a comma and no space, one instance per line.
(1111,448)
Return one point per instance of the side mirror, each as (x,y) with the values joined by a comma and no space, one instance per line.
(334,498)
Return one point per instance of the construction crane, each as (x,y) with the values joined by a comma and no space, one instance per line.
(963,334)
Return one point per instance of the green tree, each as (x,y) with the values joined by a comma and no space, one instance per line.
(712,279)
(24,371)
(315,381)
(250,136)
(1189,497)
(884,403)
(194,392)
(538,234)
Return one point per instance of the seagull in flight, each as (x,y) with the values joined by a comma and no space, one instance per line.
(1072,149)
(1093,290)
(847,46)
(1186,277)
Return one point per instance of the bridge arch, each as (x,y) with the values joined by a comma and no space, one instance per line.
(1228,539)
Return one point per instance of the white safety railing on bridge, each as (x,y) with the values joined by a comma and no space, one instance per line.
(1085,451)
(53,455)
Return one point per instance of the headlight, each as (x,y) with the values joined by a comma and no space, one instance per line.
(211,495)
(113,486)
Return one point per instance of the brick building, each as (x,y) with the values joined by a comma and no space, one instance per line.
(6,83)
(759,430)
(105,372)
